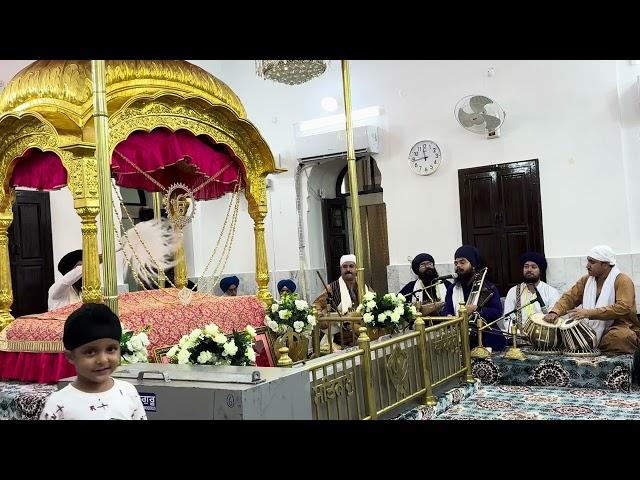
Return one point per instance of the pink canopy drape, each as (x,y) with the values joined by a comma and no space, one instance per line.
(39,170)
(176,157)
(168,157)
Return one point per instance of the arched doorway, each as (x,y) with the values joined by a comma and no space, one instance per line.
(330,181)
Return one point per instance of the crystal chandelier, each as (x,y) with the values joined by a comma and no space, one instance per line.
(291,72)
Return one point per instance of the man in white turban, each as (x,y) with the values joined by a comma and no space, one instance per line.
(342,294)
(605,300)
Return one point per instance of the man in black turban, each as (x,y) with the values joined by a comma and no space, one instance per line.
(423,265)
(534,267)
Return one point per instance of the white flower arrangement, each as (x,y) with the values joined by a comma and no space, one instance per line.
(292,313)
(133,346)
(388,311)
(210,346)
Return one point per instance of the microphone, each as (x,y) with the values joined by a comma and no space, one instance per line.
(445,277)
(543,307)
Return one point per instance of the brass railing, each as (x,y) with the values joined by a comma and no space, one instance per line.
(371,379)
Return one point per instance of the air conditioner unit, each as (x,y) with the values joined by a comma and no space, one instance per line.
(365,138)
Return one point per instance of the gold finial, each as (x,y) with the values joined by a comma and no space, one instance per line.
(284,360)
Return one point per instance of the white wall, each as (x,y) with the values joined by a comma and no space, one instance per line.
(564,113)
(629,104)
(65,226)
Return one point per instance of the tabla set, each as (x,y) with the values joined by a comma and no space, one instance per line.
(566,336)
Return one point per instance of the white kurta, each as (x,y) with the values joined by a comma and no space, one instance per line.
(422,295)
(549,295)
(62,293)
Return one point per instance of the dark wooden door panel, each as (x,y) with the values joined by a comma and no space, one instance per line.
(490,250)
(514,192)
(334,215)
(501,214)
(376,246)
(514,245)
(482,200)
(31,252)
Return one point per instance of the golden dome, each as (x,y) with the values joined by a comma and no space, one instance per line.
(67,84)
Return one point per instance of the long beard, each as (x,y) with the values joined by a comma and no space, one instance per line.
(465,277)
(428,276)
(530,280)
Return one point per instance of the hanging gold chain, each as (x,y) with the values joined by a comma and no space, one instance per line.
(128,260)
(227,249)
(126,210)
(235,203)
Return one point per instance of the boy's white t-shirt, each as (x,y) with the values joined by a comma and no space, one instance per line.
(120,402)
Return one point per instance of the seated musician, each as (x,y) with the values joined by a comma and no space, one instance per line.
(286,286)
(423,265)
(467,262)
(229,286)
(342,295)
(534,265)
(605,300)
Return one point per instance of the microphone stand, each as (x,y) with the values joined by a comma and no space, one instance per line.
(513,353)
(410,294)
(480,351)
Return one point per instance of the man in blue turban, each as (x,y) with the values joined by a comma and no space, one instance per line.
(467,262)
(229,286)
(286,286)
(534,266)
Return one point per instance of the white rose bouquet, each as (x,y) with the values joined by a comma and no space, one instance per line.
(292,313)
(390,311)
(133,346)
(210,346)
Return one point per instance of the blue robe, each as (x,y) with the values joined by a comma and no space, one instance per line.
(490,311)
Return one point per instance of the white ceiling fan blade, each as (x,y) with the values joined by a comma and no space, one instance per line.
(468,120)
(478,102)
(491,122)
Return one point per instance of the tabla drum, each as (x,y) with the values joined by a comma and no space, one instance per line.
(578,338)
(544,336)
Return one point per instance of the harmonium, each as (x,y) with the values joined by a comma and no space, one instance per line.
(204,392)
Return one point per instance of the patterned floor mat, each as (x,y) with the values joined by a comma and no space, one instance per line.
(511,402)
(23,401)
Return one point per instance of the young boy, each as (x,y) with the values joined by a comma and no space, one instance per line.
(92,341)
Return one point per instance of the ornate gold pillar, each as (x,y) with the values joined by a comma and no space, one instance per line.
(103,158)
(256,195)
(353,181)
(91,292)
(82,179)
(6,292)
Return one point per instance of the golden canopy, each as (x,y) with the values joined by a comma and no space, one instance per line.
(49,106)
